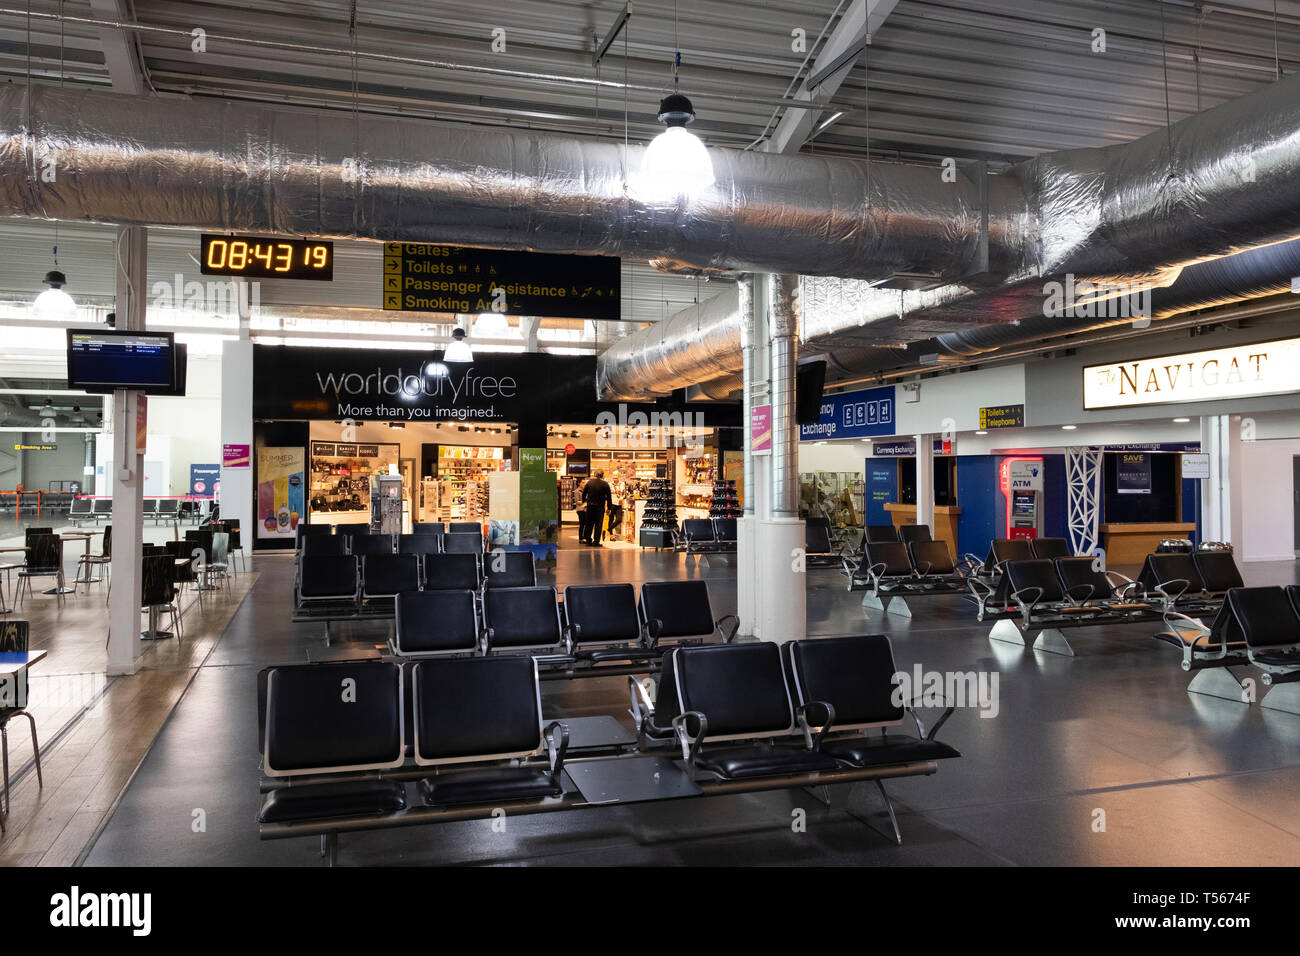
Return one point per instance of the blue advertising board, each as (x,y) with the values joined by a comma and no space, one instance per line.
(860,414)
(204,479)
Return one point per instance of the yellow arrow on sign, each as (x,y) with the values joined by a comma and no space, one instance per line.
(392,248)
(393,282)
(392,265)
(392,301)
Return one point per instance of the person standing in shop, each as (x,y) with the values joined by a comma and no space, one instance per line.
(596,495)
(582,510)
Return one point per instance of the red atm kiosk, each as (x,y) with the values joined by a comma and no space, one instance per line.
(1020,478)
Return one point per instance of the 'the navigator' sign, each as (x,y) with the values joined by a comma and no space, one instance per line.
(422,277)
(1266,368)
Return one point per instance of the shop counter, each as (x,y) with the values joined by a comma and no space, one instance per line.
(1131,543)
(945,522)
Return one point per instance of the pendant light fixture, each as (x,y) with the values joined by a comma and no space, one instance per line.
(458,349)
(54,303)
(676,163)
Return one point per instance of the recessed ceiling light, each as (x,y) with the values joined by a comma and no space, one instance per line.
(1069,428)
(1182,421)
(980,431)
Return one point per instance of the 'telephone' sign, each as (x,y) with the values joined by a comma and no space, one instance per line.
(1242,371)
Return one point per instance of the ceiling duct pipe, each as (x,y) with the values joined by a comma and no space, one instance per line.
(1253,274)
(1214,184)
(231,166)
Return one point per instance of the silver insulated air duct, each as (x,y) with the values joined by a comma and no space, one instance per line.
(226,166)
(1211,185)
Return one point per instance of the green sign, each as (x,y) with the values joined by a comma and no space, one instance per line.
(539,518)
(1003,416)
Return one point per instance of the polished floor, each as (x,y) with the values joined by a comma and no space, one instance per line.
(1101,759)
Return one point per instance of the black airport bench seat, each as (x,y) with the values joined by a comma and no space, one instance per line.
(707,534)
(1257,626)
(1052,595)
(342,744)
(892,569)
(597,630)
(1192,582)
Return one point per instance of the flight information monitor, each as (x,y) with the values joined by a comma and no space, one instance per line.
(105,359)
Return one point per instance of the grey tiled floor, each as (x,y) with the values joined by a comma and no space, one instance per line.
(1180,781)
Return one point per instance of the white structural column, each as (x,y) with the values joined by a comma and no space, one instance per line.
(781,544)
(1221,438)
(237,420)
(747,526)
(1083,489)
(925,479)
(237,429)
(127,480)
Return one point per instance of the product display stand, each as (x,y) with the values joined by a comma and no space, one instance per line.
(726,503)
(659,521)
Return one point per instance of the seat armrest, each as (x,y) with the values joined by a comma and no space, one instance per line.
(1069,594)
(555,750)
(923,572)
(1124,586)
(823,714)
(727,638)
(1170,591)
(643,707)
(682,728)
(949,709)
(488,636)
(654,627)
(572,635)
(1027,609)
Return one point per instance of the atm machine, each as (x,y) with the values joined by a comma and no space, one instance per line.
(1020,506)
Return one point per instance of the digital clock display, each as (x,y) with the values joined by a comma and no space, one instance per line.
(261,258)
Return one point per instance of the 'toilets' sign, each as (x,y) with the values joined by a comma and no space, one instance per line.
(1241,371)
(859,414)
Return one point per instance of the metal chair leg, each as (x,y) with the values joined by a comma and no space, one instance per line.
(889,805)
(36,750)
(4,757)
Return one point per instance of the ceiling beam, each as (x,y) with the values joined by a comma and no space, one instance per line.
(850,36)
(121,55)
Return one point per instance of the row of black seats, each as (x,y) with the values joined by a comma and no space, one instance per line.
(1259,626)
(363,527)
(370,544)
(750,716)
(919,565)
(347,580)
(1002,550)
(1189,579)
(907,533)
(593,624)
(708,534)
(1195,581)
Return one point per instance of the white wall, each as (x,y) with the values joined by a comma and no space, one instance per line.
(1268,514)
(833,456)
(958,397)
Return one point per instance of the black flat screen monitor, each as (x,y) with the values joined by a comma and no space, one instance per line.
(809,382)
(100,360)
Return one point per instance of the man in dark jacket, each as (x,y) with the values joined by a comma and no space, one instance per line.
(597,497)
